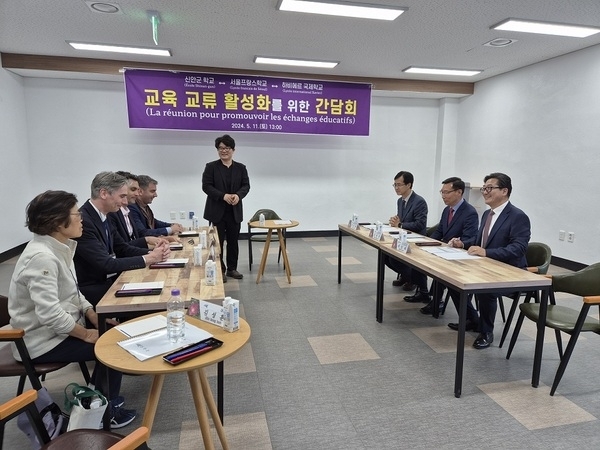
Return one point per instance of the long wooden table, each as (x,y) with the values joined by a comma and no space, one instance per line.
(468,276)
(189,280)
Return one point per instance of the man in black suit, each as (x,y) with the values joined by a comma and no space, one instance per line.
(412,216)
(122,221)
(101,253)
(503,235)
(459,221)
(225,183)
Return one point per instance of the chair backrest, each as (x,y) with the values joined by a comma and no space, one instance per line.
(539,255)
(269,215)
(430,230)
(584,282)
(4,317)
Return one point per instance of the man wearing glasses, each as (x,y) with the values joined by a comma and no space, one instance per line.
(226,183)
(459,222)
(412,216)
(503,235)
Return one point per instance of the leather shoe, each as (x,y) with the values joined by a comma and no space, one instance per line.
(469,326)
(484,340)
(235,274)
(428,308)
(408,287)
(418,297)
(398,282)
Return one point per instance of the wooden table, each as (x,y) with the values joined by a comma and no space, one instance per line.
(112,355)
(271,225)
(469,276)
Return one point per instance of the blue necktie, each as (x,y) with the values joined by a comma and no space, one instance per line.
(107,232)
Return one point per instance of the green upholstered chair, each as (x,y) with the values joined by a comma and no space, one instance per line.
(538,261)
(261,237)
(584,283)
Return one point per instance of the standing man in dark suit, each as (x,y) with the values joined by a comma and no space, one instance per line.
(101,253)
(143,216)
(503,235)
(226,183)
(411,215)
(459,221)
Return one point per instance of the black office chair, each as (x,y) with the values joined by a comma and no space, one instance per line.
(262,237)
(10,367)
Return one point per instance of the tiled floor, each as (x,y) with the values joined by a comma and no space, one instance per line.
(321,373)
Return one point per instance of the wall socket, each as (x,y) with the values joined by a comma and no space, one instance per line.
(561,235)
(570,236)
(182,215)
(173,215)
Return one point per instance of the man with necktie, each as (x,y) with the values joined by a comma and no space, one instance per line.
(503,235)
(412,216)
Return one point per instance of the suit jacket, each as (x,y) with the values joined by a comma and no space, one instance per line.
(117,220)
(144,225)
(215,187)
(94,255)
(413,217)
(464,225)
(508,238)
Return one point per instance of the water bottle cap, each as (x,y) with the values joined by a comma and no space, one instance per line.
(175,292)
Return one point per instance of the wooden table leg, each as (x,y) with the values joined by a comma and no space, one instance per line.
(286,262)
(212,407)
(152,403)
(263,260)
(196,386)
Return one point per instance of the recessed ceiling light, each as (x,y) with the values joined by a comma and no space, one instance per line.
(120,49)
(557,29)
(341,8)
(295,62)
(432,71)
(500,42)
(104,7)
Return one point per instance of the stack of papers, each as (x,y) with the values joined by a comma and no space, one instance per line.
(282,222)
(449,253)
(147,288)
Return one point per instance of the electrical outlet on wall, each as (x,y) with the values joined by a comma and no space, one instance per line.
(571,236)
(182,215)
(173,215)
(561,235)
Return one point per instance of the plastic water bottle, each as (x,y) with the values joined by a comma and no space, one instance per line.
(261,220)
(175,316)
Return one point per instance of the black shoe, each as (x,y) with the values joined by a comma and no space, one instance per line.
(484,340)
(470,326)
(398,282)
(428,309)
(408,287)
(235,274)
(418,297)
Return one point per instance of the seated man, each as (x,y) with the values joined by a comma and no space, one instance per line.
(142,215)
(412,216)
(459,220)
(101,252)
(122,222)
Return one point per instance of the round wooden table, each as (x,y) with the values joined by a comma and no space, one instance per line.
(271,225)
(112,355)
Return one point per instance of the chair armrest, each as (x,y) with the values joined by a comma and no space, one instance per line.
(20,402)
(11,334)
(133,440)
(533,269)
(592,299)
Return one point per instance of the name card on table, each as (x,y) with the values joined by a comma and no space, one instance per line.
(377,232)
(401,243)
(353,223)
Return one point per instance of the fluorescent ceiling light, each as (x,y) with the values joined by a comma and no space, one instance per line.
(430,71)
(557,29)
(295,62)
(120,49)
(342,8)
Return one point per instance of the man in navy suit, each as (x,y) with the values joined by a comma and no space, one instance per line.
(411,215)
(101,252)
(459,220)
(503,235)
(225,183)
(143,216)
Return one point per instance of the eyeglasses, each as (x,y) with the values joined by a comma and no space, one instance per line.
(488,189)
(398,184)
(224,149)
(77,214)
(447,192)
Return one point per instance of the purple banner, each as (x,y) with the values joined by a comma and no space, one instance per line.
(203,101)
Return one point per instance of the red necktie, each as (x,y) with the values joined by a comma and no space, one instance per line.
(450,215)
(486,229)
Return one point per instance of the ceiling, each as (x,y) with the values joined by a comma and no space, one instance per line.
(228,34)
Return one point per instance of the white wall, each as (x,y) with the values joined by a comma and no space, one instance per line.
(541,126)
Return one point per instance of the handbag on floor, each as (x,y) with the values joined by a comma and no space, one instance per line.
(86,406)
(53,418)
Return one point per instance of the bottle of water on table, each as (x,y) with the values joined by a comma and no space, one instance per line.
(175,316)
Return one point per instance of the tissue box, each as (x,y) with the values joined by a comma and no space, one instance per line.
(231,314)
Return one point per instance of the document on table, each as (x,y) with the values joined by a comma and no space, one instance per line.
(449,253)
(157,343)
(282,222)
(385,228)
(144,326)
